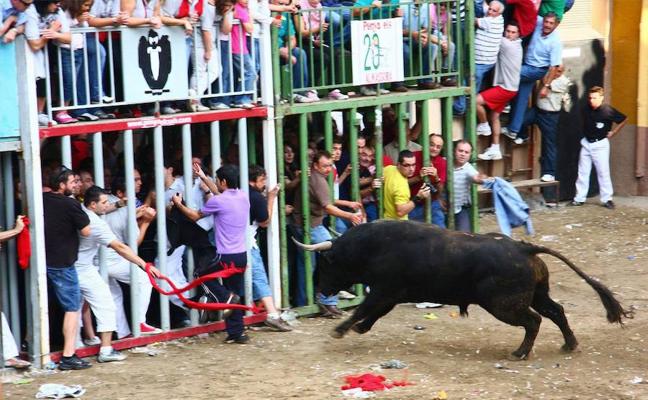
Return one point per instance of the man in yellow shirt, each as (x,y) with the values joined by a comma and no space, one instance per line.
(397,199)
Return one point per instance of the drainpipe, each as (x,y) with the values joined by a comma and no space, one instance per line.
(642,95)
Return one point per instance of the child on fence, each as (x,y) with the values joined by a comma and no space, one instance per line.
(207,67)
(244,76)
(224,17)
(73,58)
(45,22)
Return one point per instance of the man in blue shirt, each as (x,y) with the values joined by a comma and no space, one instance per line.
(542,58)
(13,19)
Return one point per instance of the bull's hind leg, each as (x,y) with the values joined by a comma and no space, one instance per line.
(543,304)
(526,318)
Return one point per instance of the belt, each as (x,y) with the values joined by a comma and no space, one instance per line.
(547,112)
(595,140)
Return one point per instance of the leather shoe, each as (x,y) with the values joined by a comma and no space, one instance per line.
(428,85)
(449,82)
(399,88)
(331,312)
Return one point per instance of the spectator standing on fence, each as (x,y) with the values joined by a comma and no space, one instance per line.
(545,114)
(207,66)
(488,36)
(224,17)
(505,87)
(598,128)
(64,222)
(542,57)
(13,19)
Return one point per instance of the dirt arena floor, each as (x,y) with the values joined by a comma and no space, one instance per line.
(465,357)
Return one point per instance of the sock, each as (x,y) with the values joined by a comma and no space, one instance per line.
(495,147)
(106,349)
(274,315)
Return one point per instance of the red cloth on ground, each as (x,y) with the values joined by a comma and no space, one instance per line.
(371,382)
(23,245)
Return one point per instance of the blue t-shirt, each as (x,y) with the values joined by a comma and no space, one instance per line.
(543,51)
(8,10)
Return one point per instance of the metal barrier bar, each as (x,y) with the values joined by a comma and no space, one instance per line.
(424,138)
(99,179)
(245,186)
(160,206)
(306,223)
(379,158)
(129,177)
(187,158)
(449,153)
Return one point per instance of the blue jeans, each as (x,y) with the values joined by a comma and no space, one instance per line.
(438,217)
(480,71)
(77,76)
(372,211)
(319,234)
(95,74)
(462,220)
(459,102)
(243,79)
(299,69)
(224,86)
(260,285)
(548,124)
(528,76)
(417,214)
(335,19)
(65,284)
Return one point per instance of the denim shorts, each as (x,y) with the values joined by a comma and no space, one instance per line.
(65,283)
(260,286)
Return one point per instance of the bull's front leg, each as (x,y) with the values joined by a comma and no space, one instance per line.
(374,315)
(359,314)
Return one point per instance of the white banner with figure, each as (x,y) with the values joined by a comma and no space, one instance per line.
(377,47)
(154,62)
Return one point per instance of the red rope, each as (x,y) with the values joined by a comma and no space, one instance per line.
(226,272)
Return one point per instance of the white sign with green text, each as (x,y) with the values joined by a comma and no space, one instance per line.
(377,47)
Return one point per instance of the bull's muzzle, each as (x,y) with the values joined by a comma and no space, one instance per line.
(314,247)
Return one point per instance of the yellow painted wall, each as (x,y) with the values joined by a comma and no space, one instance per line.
(624,48)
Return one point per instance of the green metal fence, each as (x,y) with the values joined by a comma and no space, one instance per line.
(328,57)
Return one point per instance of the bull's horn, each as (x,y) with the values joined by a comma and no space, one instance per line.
(334,232)
(314,247)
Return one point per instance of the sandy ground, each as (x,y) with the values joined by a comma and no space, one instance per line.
(465,357)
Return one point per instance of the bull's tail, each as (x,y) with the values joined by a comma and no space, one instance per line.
(615,311)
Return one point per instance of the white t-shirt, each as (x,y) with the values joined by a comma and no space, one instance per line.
(118,223)
(100,235)
(35,23)
(105,8)
(78,39)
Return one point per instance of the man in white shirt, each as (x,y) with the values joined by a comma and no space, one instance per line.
(93,288)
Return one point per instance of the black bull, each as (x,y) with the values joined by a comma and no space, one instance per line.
(405,262)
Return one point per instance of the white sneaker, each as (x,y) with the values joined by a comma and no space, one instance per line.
(428,305)
(43,120)
(311,94)
(490,154)
(511,135)
(114,355)
(298,98)
(484,129)
(384,91)
(547,178)
(367,91)
(92,342)
(343,294)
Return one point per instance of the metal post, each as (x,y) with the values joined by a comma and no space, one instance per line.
(33,201)
(66,151)
(471,111)
(129,166)
(270,162)
(328,145)
(303,187)
(449,149)
(379,159)
(214,132)
(188,195)
(424,140)
(12,267)
(245,186)
(160,205)
(281,208)
(97,154)
(402,132)
(353,152)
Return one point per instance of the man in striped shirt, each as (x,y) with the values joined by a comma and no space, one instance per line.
(488,36)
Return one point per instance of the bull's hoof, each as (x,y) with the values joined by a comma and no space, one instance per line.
(358,328)
(337,334)
(515,356)
(569,348)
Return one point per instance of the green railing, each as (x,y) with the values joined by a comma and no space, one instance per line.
(329,63)
(320,59)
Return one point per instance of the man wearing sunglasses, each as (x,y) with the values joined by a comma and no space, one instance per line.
(13,19)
